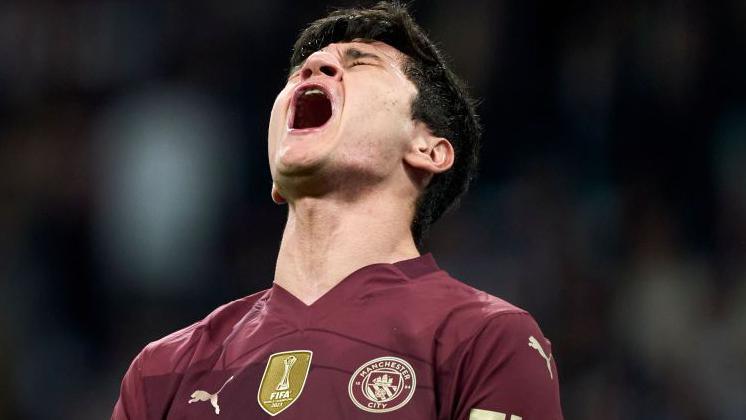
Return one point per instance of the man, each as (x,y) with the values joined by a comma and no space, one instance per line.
(370,141)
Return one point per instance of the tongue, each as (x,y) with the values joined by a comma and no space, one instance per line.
(312,111)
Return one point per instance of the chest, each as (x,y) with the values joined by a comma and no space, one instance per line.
(336,370)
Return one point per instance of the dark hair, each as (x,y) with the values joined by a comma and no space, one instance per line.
(442,102)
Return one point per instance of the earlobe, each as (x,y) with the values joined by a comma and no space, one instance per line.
(276,196)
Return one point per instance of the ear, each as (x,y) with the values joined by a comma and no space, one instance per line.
(276,197)
(429,153)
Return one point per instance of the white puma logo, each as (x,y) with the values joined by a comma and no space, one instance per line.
(534,343)
(200,395)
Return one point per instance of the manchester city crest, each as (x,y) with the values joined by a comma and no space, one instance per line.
(382,385)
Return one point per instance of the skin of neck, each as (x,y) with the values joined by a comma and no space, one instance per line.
(327,238)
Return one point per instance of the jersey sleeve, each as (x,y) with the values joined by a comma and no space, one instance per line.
(131,402)
(507,372)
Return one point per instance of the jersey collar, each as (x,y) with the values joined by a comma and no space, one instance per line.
(285,305)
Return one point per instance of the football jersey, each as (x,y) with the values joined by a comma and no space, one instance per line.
(390,341)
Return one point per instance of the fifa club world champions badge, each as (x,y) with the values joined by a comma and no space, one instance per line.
(283,380)
(382,385)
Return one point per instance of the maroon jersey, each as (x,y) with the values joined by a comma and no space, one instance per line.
(391,341)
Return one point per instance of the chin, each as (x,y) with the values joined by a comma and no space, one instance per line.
(303,157)
(289,166)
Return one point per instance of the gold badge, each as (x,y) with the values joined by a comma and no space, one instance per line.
(283,380)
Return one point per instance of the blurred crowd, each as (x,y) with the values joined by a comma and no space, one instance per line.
(611,201)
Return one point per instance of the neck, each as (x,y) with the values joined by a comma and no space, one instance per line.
(325,240)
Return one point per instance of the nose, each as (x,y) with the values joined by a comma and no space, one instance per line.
(321,64)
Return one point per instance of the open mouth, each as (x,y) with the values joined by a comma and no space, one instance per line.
(312,108)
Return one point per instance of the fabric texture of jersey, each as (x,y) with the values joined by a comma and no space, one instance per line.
(391,341)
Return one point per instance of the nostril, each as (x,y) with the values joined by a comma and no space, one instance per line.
(328,70)
(306,73)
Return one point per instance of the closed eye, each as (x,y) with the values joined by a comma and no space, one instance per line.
(359,63)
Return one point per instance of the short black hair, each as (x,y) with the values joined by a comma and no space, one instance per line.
(442,102)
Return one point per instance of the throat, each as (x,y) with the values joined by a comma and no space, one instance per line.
(324,242)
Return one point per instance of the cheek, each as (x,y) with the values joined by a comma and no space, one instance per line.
(378,125)
(383,111)
(381,123)
(375,148)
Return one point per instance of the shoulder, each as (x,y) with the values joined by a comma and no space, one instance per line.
(492,356)
(169,353)
(462,311)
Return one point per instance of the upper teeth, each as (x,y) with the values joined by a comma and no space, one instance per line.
(313,92)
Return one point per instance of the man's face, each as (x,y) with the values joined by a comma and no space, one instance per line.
(345,113)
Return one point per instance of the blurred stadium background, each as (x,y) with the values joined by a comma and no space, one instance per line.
(611,201)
